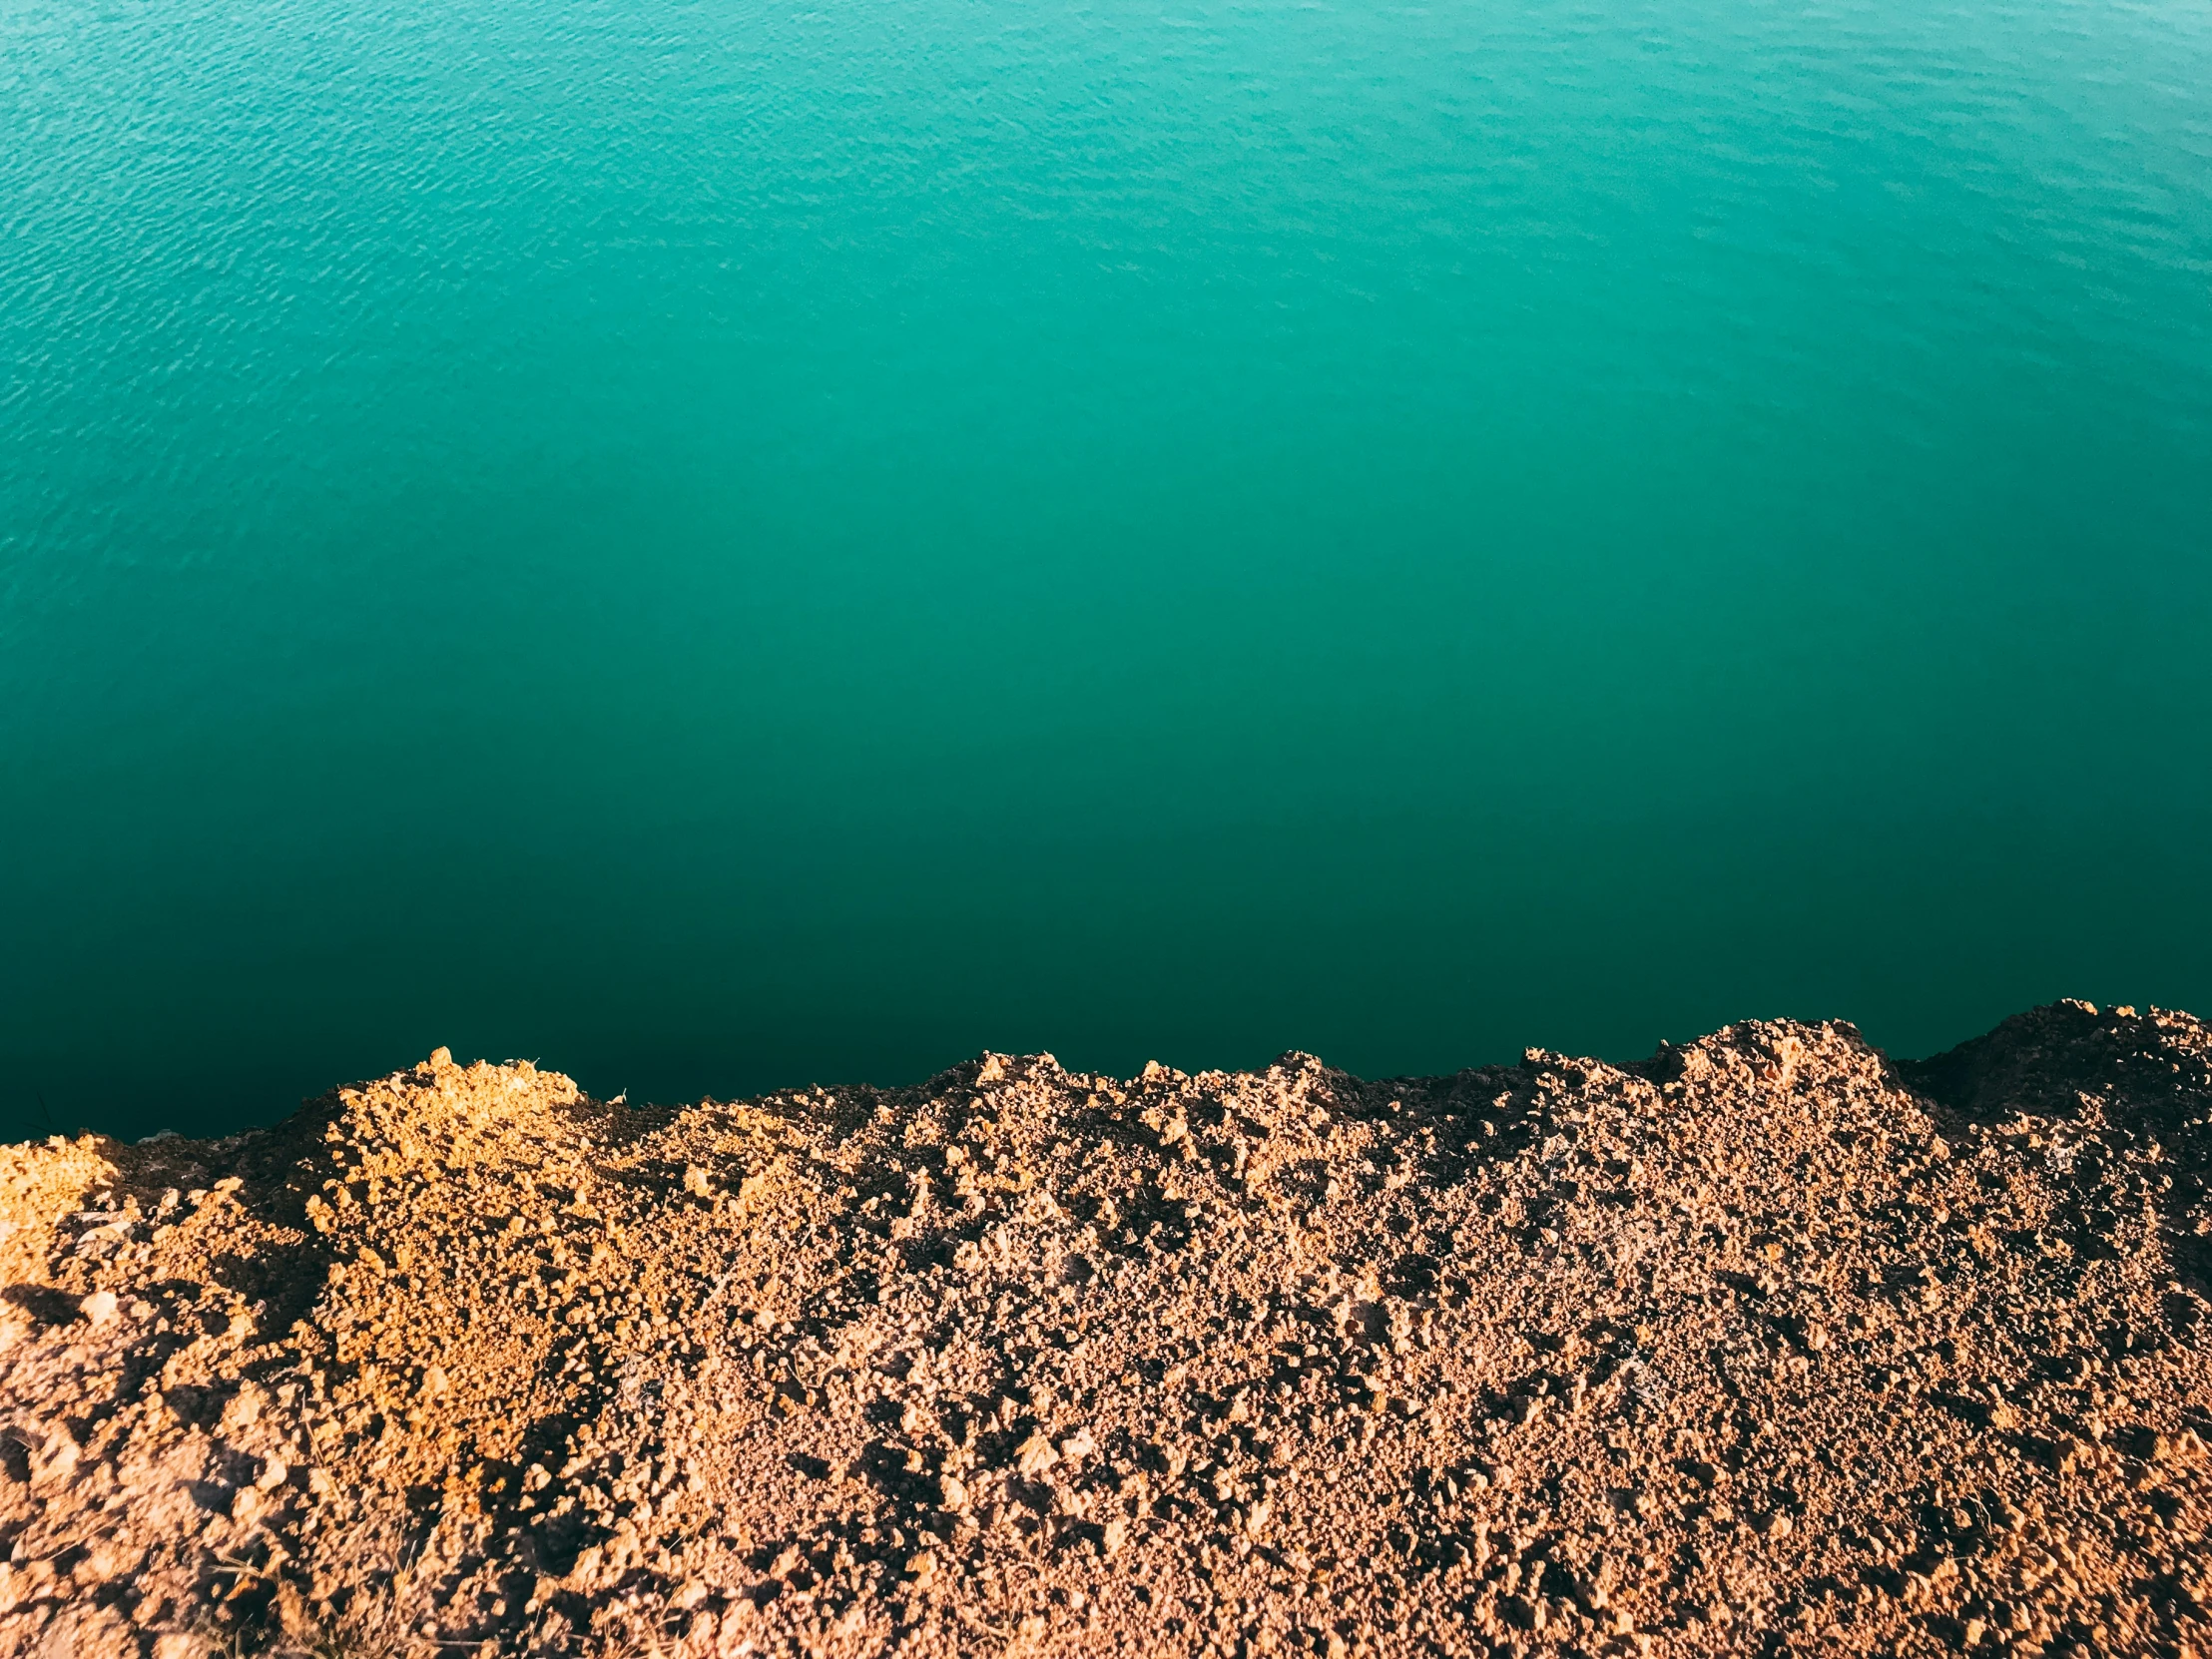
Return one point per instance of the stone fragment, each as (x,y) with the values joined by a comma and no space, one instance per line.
(1036,1455)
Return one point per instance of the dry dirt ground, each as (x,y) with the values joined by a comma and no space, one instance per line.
(1767,1344)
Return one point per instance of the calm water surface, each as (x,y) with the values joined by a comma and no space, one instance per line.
(716,544)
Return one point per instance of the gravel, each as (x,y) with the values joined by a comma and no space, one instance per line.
(1765,1344)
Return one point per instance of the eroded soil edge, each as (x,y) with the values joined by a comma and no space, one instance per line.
(1764,1344)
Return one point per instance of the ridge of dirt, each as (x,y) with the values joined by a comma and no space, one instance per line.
(1766,1345)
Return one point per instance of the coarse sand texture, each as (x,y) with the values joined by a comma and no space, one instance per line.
(1767,1343)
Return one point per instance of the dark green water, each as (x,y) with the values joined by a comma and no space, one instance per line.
(716,545)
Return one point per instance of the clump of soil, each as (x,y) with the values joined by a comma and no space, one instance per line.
(1767,1343)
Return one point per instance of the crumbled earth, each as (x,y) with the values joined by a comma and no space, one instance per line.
(1765,1344)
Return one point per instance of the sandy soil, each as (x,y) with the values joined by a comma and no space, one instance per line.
(1765,1344)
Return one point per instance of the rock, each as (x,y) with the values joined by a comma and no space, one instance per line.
(2184,1447)
(1036,1455)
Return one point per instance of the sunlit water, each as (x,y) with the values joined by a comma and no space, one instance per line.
(714,545)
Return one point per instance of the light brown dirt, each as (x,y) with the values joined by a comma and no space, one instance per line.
(1765,1344)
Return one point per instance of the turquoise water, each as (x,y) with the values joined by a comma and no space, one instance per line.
(716,544)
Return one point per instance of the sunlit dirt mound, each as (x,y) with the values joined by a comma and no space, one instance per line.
(1766,1343)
